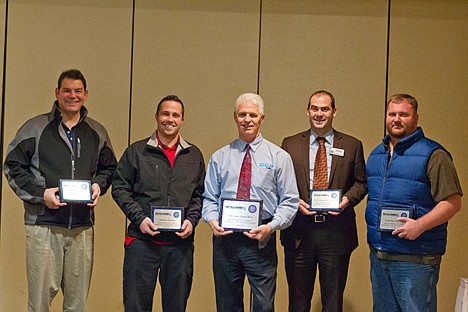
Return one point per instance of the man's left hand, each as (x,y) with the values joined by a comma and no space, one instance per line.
(261,233)
(344,203)
(95,196)
(187,229)
(410,230)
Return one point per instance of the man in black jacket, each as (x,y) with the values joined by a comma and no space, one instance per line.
(158,184)
(63,144)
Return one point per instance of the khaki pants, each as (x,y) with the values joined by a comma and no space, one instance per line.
(57,258)
(461,304)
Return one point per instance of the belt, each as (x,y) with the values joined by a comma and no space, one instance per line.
(320,218)
(420,259)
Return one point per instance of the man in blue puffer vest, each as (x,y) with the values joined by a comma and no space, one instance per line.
(413,191)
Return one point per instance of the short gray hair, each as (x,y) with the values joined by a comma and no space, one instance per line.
(251,98)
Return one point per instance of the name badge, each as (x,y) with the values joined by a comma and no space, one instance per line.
(389,217)
(337,151)
(325,200)
(75,191)
(240,215)
(168,218)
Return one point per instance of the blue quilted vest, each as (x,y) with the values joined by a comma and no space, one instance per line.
(402,184)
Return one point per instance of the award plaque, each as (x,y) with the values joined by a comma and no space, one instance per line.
(240,215)
(388,218)
(75,191)
(325,200)
(168,218)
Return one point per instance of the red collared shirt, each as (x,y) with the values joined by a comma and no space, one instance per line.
(170,151)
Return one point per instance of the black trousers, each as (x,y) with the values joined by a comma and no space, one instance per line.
(143,262)
(234,257)
(316,251)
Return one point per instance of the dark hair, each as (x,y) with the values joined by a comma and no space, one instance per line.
(174,98)
(402,97)
(74,74)
(323,92)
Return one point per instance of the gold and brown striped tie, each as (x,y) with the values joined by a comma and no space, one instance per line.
(320,167)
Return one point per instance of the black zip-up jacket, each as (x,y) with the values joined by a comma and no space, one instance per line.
(41,154)
(145,178)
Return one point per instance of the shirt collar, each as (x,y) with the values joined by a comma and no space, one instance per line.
(241,144)
(328,136)
(165,147)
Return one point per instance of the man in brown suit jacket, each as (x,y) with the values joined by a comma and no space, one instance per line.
(323,239)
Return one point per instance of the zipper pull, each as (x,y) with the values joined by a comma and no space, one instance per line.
(78,147)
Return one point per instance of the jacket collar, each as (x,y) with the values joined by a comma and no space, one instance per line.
(55,113)
(406,142)
(153,142)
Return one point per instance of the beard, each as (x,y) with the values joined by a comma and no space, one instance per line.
(401,132)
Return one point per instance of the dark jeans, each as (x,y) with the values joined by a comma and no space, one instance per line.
(316,250)
(235,256)
(143,262)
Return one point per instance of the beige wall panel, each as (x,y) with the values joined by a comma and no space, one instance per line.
(428,59)
(206,52)
(2,42)
(44,38)
(340,47)
(334,45)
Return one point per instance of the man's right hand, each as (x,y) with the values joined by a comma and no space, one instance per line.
(148,227)
(217,230)
(51,200)
(304,208)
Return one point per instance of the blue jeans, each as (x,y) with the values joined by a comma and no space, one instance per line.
(403,286)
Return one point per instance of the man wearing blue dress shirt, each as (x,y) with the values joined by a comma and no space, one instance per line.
(253,252)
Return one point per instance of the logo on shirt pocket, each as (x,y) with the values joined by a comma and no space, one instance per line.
(266,165)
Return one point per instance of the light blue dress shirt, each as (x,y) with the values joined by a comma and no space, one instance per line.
(273,181)
(314,145)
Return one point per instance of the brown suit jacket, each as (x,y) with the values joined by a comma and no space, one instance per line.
(348,173)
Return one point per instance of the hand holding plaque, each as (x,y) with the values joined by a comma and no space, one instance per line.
(325,200)
(75,191)
(168,218)
(240,215)
(388,218)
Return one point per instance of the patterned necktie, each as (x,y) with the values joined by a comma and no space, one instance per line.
(243,188)
(320,167)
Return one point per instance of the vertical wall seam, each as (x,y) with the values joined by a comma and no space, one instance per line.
(131,75)
(2,117)
(130,101)
(259,46)
(387,61)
